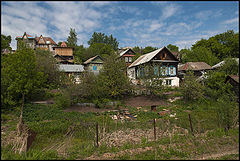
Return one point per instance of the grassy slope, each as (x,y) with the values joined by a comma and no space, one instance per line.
(52,125)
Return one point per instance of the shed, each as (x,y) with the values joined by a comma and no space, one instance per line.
(94,64)
(72,70)
(234,81)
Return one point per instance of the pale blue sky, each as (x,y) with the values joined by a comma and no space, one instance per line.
(133,23)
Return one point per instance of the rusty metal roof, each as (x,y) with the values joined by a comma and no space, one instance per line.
(194,66)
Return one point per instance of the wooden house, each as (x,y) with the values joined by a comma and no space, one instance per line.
(73,71)
(27,39)
(199,69)
(94,64)
(45,43)
(163,62)
(127,55)
(63,54)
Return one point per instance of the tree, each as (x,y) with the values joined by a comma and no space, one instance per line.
(72,38)
(137,49)
(222,45)
(152,79)
(112,80)
(227,111)
(102,38)
(172,48)
(59,43)
(99,49)
(5,42)
(47,64)
(79,54)
(192,89)
(200,54)
(230,67)
(184,54)
(21,72)
(148,49)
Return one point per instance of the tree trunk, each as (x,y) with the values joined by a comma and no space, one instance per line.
(20,123)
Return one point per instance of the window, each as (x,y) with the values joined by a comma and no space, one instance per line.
(164,70)
(168,82)
(172,70)
(94,67)
(130,59)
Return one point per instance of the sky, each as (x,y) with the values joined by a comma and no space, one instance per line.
(133,23)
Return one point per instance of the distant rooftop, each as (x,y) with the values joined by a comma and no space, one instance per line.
(71,68)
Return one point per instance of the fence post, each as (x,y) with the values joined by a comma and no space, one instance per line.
(189,116)
(97,133)
(154,125)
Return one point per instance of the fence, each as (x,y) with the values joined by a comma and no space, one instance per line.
(121,131)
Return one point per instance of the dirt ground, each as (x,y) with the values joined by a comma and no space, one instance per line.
(144,101)
(133,101)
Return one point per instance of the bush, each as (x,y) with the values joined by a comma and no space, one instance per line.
(192,90)
(227,111)
(63,100)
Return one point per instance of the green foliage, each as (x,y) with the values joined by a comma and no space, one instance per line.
(191,89)
(7,154)
(230,67)
(215,84)
(5,42)
(21,76)
(148,49)
(88,88)
(47,64)
(227,111)
(63,100)
(79,54)
(112,80)
(222,45)
(172,48)
(100,49)
(200,54)
(214,49)
(138,50)
(102,38)
(72,38)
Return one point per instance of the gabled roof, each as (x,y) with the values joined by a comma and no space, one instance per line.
(234,77)
(46,39)
(91,59)
(63,44)
(28,36)
(222,62)
(71,68)
(148,57)
(195,66)
(125,51)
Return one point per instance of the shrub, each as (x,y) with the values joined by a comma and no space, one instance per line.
(191,90)
(227,111)
(63,100)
